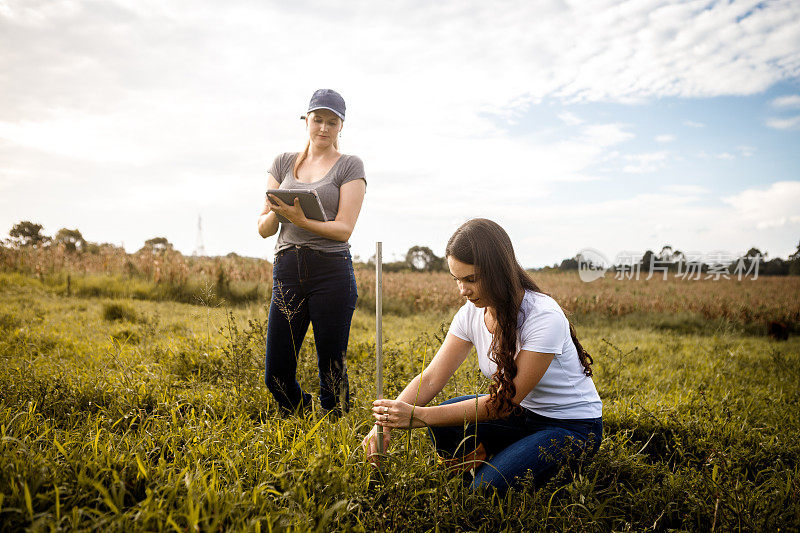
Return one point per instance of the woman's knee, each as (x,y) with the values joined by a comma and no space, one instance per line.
(489,477)
(539,455)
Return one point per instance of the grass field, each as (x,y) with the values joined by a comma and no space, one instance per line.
(148,414)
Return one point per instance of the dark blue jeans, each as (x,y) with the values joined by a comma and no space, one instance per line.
(314,287)
(518,444)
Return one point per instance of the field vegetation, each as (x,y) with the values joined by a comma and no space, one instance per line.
(131,400)
(167,275)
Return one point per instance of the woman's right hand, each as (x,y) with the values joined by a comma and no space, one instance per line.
(370,443)
(268,226)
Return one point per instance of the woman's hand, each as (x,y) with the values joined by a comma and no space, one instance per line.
(370,443)
(267,225)
(293,212)
(397,414)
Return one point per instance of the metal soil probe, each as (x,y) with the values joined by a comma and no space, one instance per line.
(379,332)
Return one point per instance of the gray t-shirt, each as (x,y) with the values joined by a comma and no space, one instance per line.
(347,168)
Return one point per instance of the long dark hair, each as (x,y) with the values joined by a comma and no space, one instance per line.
(486,245)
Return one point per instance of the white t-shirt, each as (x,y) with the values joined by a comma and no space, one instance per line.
(564,391)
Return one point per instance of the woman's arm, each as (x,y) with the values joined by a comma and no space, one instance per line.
(267,221)
(434,377)
(351,196)
(531,366)
(426,384)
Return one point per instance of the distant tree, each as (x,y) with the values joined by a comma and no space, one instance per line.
(394,266)
(794,262)
(647,261)
(422,259)
(678,260)
(570,264)
(157,244)
(27,233)
(96,248)
(752,263)
(666,253)
(775,267)
(72,240)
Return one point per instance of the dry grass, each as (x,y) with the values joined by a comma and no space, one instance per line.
(161,267)
(743,302)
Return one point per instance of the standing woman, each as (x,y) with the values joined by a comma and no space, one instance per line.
(313,278)
(542,405)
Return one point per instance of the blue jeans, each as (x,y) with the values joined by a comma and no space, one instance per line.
(518,444)
(320,288)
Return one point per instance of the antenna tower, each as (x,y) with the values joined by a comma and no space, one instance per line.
(199,249)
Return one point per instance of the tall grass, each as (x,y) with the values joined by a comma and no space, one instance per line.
(739,302)
(175,431)
(235,280)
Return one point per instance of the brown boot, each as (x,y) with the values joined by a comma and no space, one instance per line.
(464,463)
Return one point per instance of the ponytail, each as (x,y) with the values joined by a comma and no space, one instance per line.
(584,357)
(301,157)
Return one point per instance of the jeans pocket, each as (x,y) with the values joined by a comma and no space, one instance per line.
(340,256)
(284,261)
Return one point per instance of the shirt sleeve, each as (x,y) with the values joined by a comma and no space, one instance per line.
(544,332)
(460,327)
(353,169)
(279,167)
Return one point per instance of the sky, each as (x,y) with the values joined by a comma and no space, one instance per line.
(620,126)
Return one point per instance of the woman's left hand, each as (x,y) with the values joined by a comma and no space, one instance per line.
(293,212)
(397,414)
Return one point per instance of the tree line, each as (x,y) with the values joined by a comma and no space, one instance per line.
(27,234)
(422,259)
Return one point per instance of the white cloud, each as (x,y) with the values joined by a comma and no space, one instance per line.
(676,216)
(693,124)
(570,119)
(790,100)
(773,207)
(784,123)
(665,138)
(645,163)
(726,155)
(606,134)
(164,108)
(688,190)
(746,151)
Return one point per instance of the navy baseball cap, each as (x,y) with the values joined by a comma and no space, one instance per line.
(327,99)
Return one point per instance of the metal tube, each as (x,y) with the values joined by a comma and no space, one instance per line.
(379,332)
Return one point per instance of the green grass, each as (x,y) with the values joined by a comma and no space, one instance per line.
(198,291)
(159,420)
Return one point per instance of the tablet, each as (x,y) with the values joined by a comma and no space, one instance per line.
(309,203)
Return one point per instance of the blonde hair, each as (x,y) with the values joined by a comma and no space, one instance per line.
(304,154)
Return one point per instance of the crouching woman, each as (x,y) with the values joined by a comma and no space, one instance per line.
(542,406)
